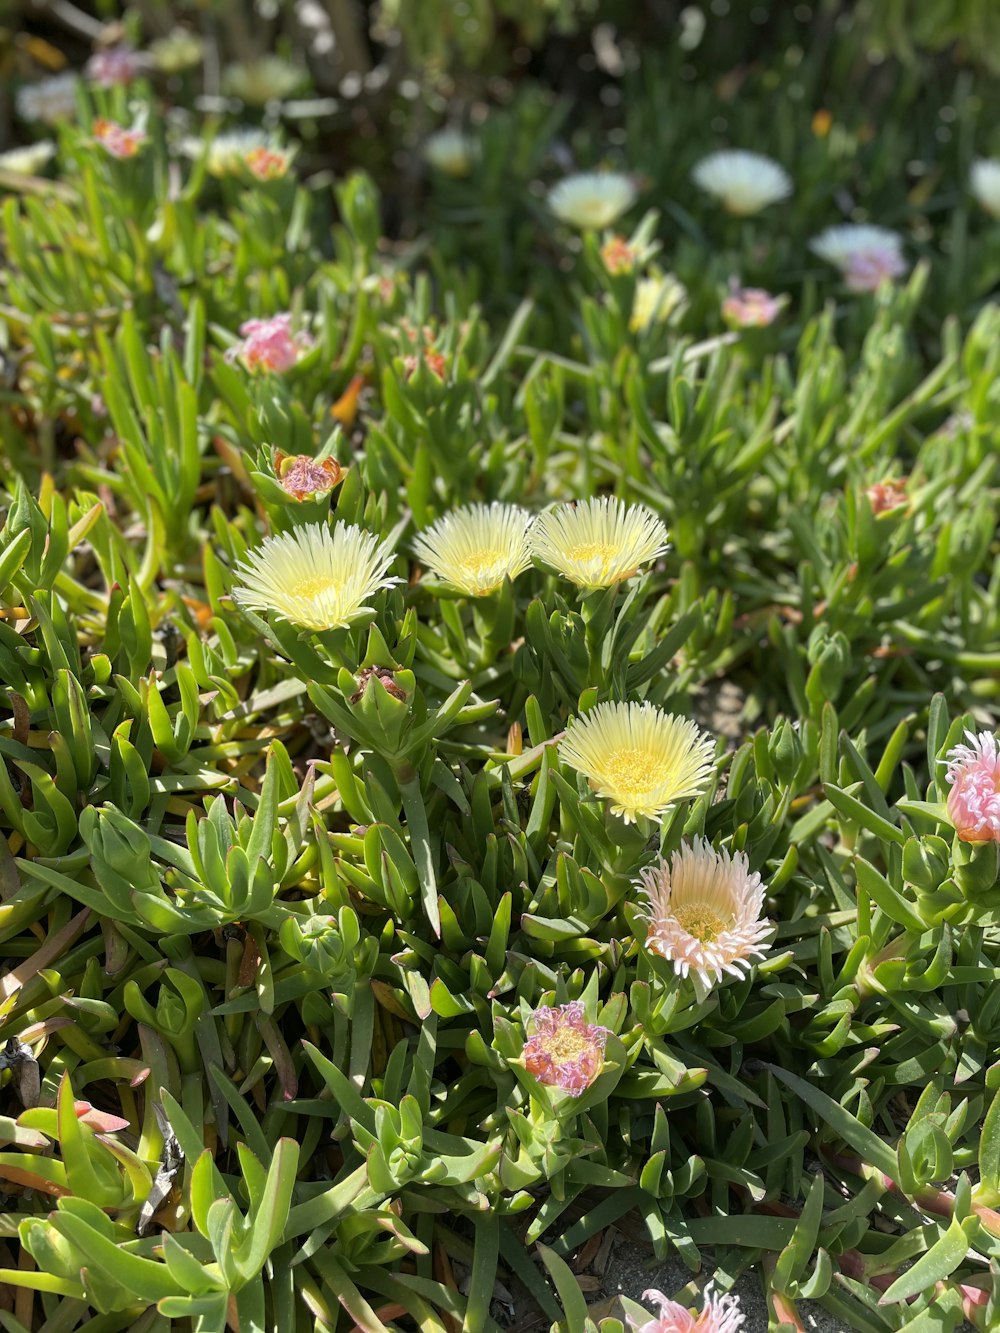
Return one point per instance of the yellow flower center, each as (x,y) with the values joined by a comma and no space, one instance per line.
(481,561)
(566,1044)
(633,772)
(603,551)
(701,921)
(315,586)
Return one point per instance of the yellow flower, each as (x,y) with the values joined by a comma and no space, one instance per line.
(592,198)
(598,542)
(451,152)
(316,576)
(656,299)
(28,161)
(257,82)
(639,758)
(476,547)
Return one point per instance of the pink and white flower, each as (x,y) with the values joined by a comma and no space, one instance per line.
(269,344)
(563,1049)
(751,307)
(119,140)
(704,912)
(721,1313)
(974,776)
(114,67)
(866,256)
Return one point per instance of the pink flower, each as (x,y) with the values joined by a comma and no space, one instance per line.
(974,799)
(116,66)
(720,1314)
(885,496)
(703,909)
(268,344)
(267,164)
(751,307)
(865,272)
(119,141)
(564,1050)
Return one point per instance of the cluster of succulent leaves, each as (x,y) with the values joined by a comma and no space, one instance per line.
(289,920)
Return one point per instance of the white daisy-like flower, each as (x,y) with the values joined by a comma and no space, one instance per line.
(231,153)
(984,182)
(639,758)
(974,777)
(745,182)
(704,912)
(451,151)
(316,576)
(29,160)
(476,547)
(865,255)
(592,199)
(48,100)
(598,542)
(656,299)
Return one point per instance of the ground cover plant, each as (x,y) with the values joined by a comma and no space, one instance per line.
(499,648)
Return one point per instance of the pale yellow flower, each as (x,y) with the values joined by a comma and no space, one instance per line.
(639,758)
(29,160)
(233,152)
(704,911)
(592,198)
(598,542)
(179,50)
(656,299)
(745,183)
(257,82)
(476,547)
(316,576)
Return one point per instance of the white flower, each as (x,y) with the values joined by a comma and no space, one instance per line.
(257,82)
(984,182)
(29,160)
(49,100)
(656,299)
(316,576)
(476,547)
(598,542)
(639,758)
(703,907)
(227,153)
(865,255)
(451,151)
(744,182)
(592,198)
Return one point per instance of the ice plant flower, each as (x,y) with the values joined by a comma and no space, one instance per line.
(29,160)
(269,344)
(639,758)
(114,67)
(885,496)
(984,182)
(476,547)
(49,100)
(745,183)
(179,50)
(592,199)
(451,152)
(268,164)
(118,140)
(751,307)
(656,299)
(865,255)
(974,776)
(257,82)
(703,907)
(598,542)
(720,1314)
(316,576)
(563,1049)
(304,478)
(618,256)
(227,154)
